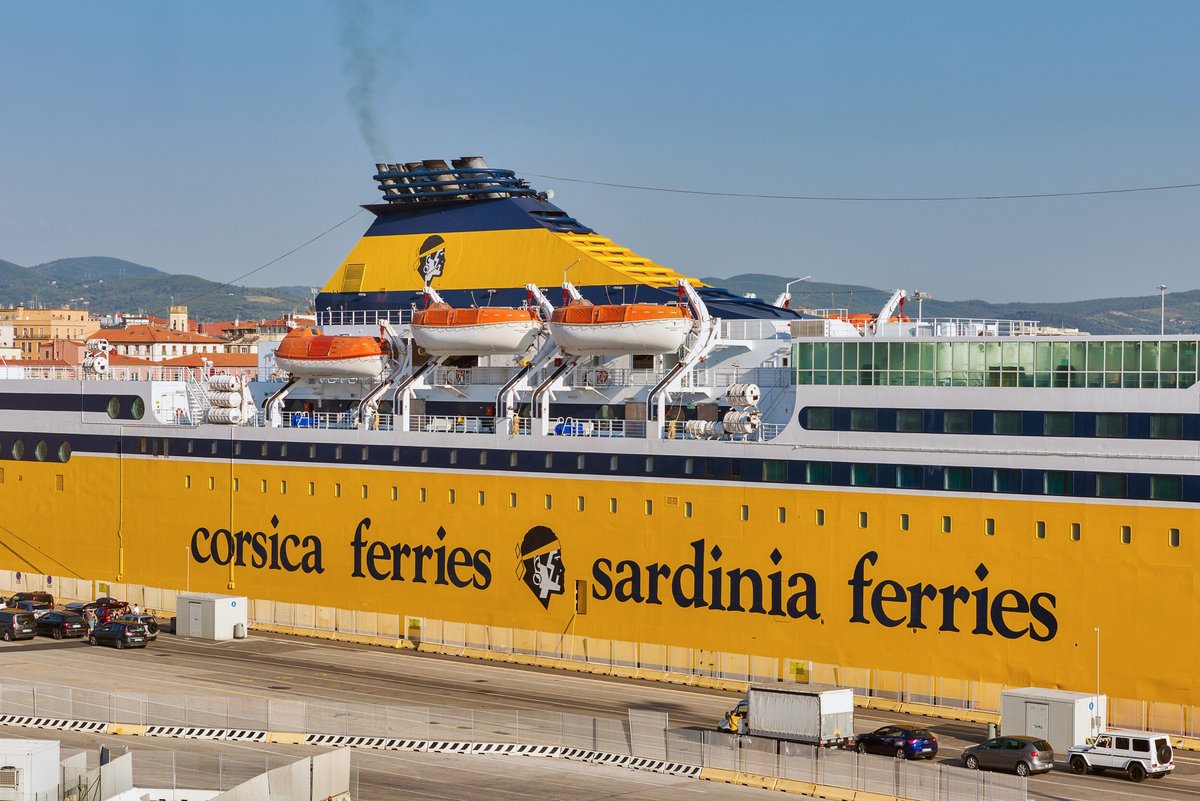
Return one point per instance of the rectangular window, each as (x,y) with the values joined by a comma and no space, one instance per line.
(581,597)
(612,464)
(512,458)
(579,503)
(364,492)
(862,519)
(212,447)
(262,450)
(864,419)
(237,448)
(862,475)
(337,490)
(579,462)
(1039,529)
(451,495)
(1058,424)
(395,493)
(1006,480)
(687,508)
(366,453)
(1110,485)
(820,517)
(1166,426)
(283,451)
(956,421)
(649,468)
(454,456)
(187,482)
(512,500)
(423,495)
(989,527)
(483,458)
(745,512)
(818,473)
(910,421)
(312,451)
(689,466)
(58,481)
(480,498)
(312,488)
(337,452)
(910,476)
(1006,423)
(262,485)
(396,455)
(947,524)
(903,521)
(1111,424)
(1057,482)
(781,514)
(612,506)
(650,507)
(956,478)
(820,418)
(424,455)
(549,461)
(549,501)
(1076,532)
(1173,538)
(774,470)
(1166,488)
(212,482)
(1126,535)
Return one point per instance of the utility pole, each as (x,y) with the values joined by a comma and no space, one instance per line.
(1162,309)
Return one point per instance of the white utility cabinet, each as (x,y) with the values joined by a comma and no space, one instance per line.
(30,769)
(1061,717)
(208,616)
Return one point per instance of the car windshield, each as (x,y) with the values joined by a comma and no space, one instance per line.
(1042,745)
(135,628)
(922,734)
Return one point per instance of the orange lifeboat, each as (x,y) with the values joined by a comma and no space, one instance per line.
(582,328)
(308,353)
(443,330)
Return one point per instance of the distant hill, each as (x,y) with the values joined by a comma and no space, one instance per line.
(1135,315)
(105,285)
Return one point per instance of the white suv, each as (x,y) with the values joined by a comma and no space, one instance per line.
(1137,753)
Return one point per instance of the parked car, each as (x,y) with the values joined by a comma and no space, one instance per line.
(1138,753)
(16,624)
(898,742)
(106,609)
(60,624)
(149,621)
(121,635)
(1020,754)
(37,597)
(36,608)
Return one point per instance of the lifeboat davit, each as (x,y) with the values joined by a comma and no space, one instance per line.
(443,330)
(584,329)
(308,353)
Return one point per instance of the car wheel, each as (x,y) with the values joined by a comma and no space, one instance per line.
(7,636)
(92,640)
(58,634)
(972,762)
(1022,768)
(900,753)
(1079,765)
(120,644)
(862,747)
(1137,772)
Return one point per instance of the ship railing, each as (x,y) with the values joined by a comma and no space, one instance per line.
(961,327)
(338,420)
(597,427)
(453,424)
(754,329)
(364,316)
(15,371)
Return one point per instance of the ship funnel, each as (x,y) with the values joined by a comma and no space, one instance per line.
(468,163)
(443,177)
(389,184)
(414,166)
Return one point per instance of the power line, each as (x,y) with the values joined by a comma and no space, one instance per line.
(882,199)
(272,261)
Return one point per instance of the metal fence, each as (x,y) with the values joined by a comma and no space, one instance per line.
(642,733)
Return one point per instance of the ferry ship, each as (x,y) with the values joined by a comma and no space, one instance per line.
(504,418)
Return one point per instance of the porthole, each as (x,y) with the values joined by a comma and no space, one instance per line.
(18,450)
(114,408)
(40,450)
(64,452)
(137,408)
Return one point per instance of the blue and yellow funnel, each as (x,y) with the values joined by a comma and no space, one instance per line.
(479,235)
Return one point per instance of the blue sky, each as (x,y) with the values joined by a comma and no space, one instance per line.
(210,138)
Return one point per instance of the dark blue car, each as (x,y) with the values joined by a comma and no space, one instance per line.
(898,742)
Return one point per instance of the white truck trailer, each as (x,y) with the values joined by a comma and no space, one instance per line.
(819,714)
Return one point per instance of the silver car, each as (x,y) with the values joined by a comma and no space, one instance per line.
(1020,754)
(149,621)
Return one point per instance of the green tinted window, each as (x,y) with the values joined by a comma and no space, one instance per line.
(1166,426)
(910,420)
(1058,424)
(862,475)
(1111,424)
(1110,485)
(957,478)
(864,419)
(1058,482)
(957,421)
(818,473)
(820,418)
(909,476)
(1166,488)
(1006,423)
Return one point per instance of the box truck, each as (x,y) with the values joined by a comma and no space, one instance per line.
(808,713)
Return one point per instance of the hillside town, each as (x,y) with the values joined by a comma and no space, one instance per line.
(141,346)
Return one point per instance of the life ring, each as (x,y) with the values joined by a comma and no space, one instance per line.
(456,376)
(602,377)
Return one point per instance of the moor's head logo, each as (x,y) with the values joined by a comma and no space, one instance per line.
(431,258)
(540,565)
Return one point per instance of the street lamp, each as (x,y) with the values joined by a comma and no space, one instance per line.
(787,291)
(1096,720)
(1162,309)
(921,296)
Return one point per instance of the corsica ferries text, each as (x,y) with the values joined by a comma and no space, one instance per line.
(700,580)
